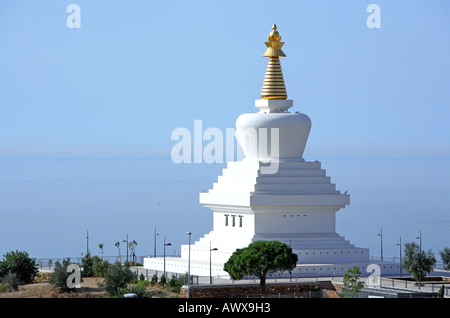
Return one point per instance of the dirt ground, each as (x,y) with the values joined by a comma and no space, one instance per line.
(89,289)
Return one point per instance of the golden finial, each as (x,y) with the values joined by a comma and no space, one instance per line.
(274,45)
(273,86)
(274,35)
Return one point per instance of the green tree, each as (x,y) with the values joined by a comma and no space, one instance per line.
(261,258)
(87,263)
(352,284)
(99,267)
(445,257)
(117,276)
(20,264)
(418,263)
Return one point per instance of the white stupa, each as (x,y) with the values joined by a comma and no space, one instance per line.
(273,194)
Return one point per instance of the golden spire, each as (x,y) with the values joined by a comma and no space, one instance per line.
(274,45)
(273,86)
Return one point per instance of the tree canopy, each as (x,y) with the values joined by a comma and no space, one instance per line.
(418,262)
(20,264)
(445,257)
(261,258)
(352,284)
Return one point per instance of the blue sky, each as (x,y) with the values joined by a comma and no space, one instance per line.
(136,70)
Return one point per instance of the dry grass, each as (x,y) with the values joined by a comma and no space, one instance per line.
(89,289)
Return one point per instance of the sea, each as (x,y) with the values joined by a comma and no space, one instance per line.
(65,206)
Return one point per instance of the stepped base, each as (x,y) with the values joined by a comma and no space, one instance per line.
(311,248)
(180,265)
(320,254)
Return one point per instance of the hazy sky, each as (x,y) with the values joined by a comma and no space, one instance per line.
(136,70)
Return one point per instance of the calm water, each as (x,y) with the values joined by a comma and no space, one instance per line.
(48,204)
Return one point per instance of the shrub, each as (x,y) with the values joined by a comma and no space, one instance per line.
(154,279)
(136,264)
(140,291)
(43,277)
(117,277)
(87,263)
(175,283)
(162,280)
(440,293)
(21,264)
(99,266)
(11,281)
(60,275)
(3,288)
(144,283)
(314,287)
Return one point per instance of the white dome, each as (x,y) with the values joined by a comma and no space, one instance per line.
(257,142)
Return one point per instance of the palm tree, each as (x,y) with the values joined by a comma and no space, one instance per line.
(118,247)
(132,245)
(100,246)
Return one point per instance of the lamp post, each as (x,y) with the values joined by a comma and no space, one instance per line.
(154,248)
(87,242)
(381,239)
(168,244)
(189,264)
(126,241)
(210,264)
(420,242)
(400,244)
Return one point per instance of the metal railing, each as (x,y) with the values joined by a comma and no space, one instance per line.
(49,263)
(427,286)
(396,259)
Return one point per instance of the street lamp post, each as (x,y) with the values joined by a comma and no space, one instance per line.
(189,265)
(420,240)
(381,239)
(400,244)
(154,248)
(168,244)
(126,241)
(210,264)
(87,242)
